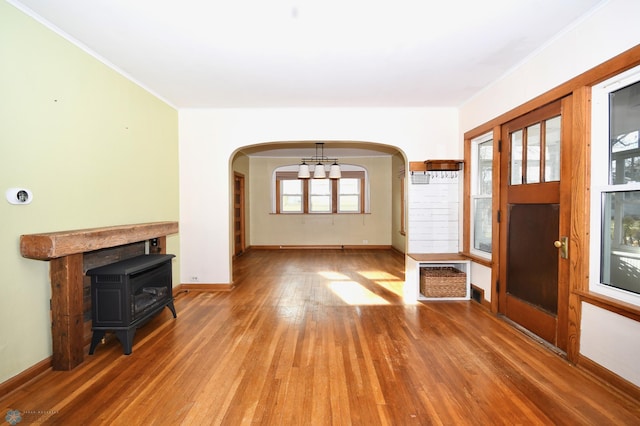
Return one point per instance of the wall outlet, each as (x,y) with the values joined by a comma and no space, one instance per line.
(365,241)
(194,278)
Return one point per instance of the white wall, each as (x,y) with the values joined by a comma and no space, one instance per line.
(602,333)
(481,278)
(209,138)
(609,31)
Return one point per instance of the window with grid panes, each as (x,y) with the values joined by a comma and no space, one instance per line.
(320,196)
(615,176)
(349,195)
(481,195)
(291,196)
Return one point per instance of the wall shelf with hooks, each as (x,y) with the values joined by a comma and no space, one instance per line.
(443,165)
(424,172)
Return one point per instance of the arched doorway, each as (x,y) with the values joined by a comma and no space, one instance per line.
(265,229)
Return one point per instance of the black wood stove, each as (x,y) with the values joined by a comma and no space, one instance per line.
(126,294)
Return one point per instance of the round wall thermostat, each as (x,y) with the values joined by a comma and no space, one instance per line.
(19,196)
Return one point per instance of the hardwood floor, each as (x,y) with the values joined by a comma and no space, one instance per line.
(322,337)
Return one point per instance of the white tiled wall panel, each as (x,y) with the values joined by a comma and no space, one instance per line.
(433,216)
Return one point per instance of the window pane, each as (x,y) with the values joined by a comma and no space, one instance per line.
(320,186)
(291,199)
(624,124)
(349,203)
(291,186)
(320,195)
(349,186)
(533,154)
(482,224)
(620,261)
(291,203)
(625,161)
(516,157)
(320,204)
(552,150)
(349,195)
(485,167)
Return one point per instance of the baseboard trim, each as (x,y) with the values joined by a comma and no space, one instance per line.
(323,247)
(609,378)
(27,375)
(397,251)
(205,287)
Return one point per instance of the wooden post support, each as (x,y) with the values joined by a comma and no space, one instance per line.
(66,311)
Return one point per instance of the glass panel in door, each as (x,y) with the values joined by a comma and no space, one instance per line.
(552,149)
(533,154)
(516,158)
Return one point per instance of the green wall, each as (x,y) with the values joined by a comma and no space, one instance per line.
(94,148)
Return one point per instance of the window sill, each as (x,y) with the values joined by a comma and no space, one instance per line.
(319,214)
(610,304)
(478,259)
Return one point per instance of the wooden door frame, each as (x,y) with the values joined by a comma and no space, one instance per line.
(239,177)
(563,107)
(579,179)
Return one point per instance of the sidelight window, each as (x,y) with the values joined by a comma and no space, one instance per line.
(481,198)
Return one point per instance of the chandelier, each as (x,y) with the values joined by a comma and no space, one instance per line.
(319,172)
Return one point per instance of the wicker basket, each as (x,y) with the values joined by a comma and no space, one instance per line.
(443,282)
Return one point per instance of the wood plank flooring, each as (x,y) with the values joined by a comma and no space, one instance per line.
(315,337)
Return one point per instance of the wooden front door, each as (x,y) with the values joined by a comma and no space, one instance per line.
(238,214)
(531,281)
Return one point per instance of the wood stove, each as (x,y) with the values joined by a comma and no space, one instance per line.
(126,294)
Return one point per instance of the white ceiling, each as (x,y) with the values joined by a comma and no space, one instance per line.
(311,53)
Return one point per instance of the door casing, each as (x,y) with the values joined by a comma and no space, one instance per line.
(560,192)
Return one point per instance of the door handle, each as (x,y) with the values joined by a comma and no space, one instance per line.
(563,245)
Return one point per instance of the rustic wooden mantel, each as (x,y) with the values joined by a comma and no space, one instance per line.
(65,251)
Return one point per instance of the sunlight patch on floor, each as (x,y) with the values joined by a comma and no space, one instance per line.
(396,287)
(377,275)
(385,280)
(354,293)
(333,275)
